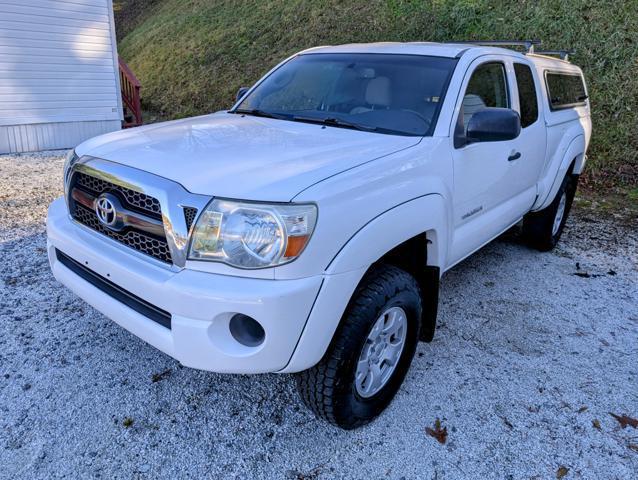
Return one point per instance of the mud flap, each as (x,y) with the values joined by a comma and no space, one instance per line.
(429,282)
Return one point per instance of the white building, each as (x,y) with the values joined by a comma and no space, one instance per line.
(59,76)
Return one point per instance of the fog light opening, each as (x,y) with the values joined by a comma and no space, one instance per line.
(246,330)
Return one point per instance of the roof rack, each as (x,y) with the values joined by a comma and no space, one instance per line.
(528,44)
(563,54)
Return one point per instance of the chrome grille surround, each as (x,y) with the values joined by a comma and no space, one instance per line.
(170,196)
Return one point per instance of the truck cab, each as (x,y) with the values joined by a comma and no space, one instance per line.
(306,229)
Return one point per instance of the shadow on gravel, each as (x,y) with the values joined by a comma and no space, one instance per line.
(518,354)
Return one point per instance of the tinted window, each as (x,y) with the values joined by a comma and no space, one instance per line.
(487,88)
(526,94)
(565,90)
(397,94)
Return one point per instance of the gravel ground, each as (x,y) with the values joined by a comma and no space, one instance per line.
(533,354)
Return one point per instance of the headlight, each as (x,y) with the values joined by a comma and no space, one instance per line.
(71,159)
(252,235)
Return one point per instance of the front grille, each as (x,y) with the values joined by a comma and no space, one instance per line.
(127,298)
(137,240)
(155,246)
(136,200)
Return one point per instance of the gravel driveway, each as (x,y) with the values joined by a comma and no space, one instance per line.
(533,354)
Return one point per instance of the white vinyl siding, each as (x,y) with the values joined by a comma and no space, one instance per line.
(51,136)
(57,62)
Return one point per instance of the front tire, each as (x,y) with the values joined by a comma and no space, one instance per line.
(370,352)
(542,229)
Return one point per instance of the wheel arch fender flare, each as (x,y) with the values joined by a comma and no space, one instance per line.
(427,214)
(574,154)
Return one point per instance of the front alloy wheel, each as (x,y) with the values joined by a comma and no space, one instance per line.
(370,352)
(381,352)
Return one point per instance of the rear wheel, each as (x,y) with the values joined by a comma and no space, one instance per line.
(542,229)
(370,353)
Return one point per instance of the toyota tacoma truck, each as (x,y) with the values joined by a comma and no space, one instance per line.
(306,229)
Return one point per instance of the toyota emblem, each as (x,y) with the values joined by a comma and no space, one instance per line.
(105,210)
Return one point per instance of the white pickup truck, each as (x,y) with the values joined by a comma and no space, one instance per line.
(305,230)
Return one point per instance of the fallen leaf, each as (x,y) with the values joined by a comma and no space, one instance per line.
(160,376)
(582,409)
(633,447)
(596,424)
(625,420)
(561,472)
(311,475)
(438,433)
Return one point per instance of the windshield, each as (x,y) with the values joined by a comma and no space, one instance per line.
(395,94)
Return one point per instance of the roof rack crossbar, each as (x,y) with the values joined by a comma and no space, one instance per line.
(563,54)
(528,44)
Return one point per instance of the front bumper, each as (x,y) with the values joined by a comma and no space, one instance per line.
(200,304)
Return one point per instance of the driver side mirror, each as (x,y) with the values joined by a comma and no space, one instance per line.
(240,93)
(493,125)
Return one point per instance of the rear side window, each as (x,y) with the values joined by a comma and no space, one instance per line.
(526,94)
(565,90)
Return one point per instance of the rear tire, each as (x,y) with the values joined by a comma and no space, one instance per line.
(370,352)
(542,229)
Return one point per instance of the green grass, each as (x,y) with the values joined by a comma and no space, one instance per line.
(192,55)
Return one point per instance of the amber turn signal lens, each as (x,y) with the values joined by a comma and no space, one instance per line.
(295,245)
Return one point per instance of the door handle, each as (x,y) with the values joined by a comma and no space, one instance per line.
(514,156)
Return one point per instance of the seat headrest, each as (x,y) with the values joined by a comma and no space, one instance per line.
(471,104)
(378,91)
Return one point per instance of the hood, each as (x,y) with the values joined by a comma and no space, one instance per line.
(243,157)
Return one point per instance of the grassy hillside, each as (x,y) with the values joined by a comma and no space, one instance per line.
(192,55)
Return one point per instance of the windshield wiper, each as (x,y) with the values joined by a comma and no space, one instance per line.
(335,122)
(261,113)
(331,121)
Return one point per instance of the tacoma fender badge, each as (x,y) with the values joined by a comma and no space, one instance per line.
(472,212)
